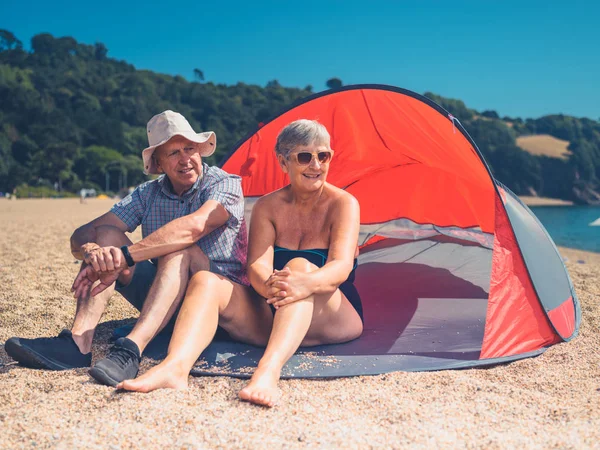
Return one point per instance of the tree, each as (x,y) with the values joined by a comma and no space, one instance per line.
(55,162)
(334,83)
(490,114)
(9,41)
(93,162)
(23,149)
(516,168)
(582,159)
(43,43)
(100,51)
(455,107)
(67,96)
(5,161)
(199,74)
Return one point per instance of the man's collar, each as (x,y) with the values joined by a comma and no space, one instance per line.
(200,181)
(167,186)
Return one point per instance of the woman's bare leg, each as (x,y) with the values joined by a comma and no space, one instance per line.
(317,319)
(208,297)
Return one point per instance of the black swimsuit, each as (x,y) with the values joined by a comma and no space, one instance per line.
(318,256)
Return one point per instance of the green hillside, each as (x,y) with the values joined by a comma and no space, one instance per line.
(572,174)
(72,117)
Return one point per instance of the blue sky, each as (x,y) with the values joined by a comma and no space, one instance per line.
(520,58)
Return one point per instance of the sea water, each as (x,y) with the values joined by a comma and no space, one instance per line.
(570,226)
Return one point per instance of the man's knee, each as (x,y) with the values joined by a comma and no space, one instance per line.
(301,265)
(178,255)
(192,257)
(109,235)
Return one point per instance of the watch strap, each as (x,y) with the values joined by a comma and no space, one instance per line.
(128,259)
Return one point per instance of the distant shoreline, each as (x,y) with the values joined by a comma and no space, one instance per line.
(528,200)
(544,201)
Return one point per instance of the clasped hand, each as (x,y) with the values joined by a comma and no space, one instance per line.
(103,264)
(285,287)
(104,259)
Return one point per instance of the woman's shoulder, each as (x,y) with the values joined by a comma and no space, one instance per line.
(341,198)
(270,200)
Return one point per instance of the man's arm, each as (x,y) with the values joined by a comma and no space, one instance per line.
(175,235)
(181,233)
(84,238)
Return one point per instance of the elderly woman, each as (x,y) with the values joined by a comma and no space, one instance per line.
(301,256)
(301,260)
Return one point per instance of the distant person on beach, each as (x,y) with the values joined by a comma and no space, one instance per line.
(301,262)
(192,220)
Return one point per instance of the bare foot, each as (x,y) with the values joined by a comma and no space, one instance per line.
(162,376)
(262,389)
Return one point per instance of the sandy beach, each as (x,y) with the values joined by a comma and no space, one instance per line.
(552,401)
(530,200)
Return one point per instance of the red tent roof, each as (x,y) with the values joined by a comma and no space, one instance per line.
(388,145)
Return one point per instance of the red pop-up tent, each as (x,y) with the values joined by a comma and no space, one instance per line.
(454,270)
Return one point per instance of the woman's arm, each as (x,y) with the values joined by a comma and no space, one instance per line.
(342,247)
(261,240)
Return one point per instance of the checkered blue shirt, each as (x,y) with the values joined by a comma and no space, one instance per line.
(153,204)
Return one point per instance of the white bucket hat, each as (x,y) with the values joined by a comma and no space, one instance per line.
(167,124)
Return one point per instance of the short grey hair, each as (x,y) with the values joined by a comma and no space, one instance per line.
(301,132)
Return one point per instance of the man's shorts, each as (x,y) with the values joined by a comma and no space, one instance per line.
(143,277)
(137,289)
(139,286)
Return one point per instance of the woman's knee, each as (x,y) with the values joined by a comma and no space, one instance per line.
(204,280)
(202,288)
(301,265)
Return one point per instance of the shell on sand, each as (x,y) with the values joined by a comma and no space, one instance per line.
(549,401)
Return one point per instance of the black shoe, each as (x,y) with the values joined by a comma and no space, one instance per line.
(56,353)
(122,363)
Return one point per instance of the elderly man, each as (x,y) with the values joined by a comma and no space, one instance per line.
(192,220)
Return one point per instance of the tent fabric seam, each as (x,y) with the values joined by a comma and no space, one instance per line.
(575,299)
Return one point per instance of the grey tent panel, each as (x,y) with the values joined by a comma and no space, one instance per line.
(425,304)
(237,360)
(471,263)
(548,275)
(432,332)
(323,366)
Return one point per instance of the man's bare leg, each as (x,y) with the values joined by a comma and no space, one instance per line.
(166,292)
(317,319)
(209,297)
(160,303)
(90,309)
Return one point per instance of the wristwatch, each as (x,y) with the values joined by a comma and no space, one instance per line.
(128,259)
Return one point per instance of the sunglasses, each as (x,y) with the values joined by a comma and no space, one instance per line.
(305,158)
